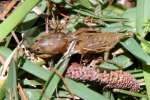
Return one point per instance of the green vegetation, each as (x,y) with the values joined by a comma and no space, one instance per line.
(23,78)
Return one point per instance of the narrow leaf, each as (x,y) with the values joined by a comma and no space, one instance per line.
(16,17)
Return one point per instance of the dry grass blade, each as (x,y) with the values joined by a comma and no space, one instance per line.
(8,9)
(5,66)
(15,37)
(2,59)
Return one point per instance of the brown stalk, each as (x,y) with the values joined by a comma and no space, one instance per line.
(2,59)
(15,37)
(8,8)
(21,92)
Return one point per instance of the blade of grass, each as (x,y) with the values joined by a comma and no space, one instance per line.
(146,73)
(51,85)
(32,94)
(10,85)
(16,17)
(109,95)
(83,92)
(133,46)
(31,18)
(145,45)
(36,70)
(122,60)
(142,16)
(86,4)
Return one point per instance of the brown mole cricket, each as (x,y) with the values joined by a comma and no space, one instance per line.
(89,41)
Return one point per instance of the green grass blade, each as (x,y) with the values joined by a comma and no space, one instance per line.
(142,17)
(36,70)
(11,83)
(32,94)
(31,18)
(83,92)
(16,17)
(86,4)
(121,62)
(132,46)
(145,45)
(146,73)
(51,85)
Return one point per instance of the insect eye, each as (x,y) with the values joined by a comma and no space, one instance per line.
(37,49)
(36,40)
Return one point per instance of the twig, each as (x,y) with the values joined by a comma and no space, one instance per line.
(15,37)
(47,16)
(65,16)
(70,49)
(68,53)
(21,92)
(46,24)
